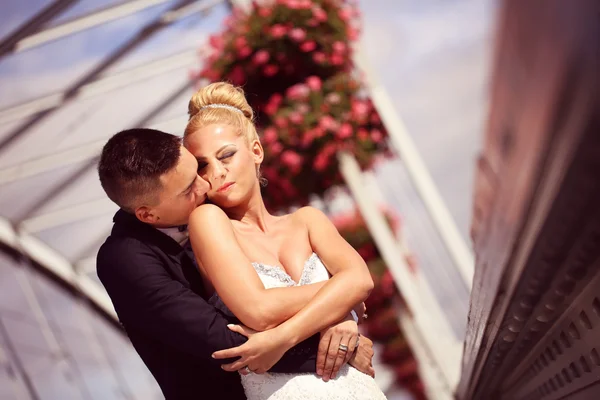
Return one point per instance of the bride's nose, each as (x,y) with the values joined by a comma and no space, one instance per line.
(217,174)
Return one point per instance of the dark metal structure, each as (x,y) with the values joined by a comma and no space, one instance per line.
(34,24)
(534,322)
(70,93)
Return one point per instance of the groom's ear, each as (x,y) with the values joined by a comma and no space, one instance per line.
(146,215)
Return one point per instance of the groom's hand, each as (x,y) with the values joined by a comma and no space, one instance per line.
(362,359)
(331,355)
(361,312)
(259,353)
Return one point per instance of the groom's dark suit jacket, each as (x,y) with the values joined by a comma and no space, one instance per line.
(159,298)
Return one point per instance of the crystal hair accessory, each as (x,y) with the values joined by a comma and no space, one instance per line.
(218,105)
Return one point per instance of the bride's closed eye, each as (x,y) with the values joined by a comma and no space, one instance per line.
(227,155)
(224,157)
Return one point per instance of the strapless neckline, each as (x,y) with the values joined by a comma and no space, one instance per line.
(279,273)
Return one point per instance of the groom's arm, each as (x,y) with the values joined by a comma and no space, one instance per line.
(149,300)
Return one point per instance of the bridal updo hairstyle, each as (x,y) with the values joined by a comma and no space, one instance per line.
(221,103)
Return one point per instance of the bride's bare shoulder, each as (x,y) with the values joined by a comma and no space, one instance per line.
(208,213)
(308,215)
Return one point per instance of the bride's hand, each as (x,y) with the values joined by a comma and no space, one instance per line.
(336,347)
(259,353)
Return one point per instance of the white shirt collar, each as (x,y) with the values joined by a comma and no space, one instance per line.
(180,236)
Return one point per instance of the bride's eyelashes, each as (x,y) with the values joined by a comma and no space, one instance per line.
(227,155)
(222,158)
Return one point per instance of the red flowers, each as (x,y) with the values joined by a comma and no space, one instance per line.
(314,83)
(278,31)
(294,60)
(292,160)
(216,42)
(345,131)
(319,14)
(269,135)
(339,47)
(328,123)
(312,121)
(265,12)
(313,34)
(270,70)
(309,46)
(297,34)
(261,57)
(298,92)
(319,57)
(382,325)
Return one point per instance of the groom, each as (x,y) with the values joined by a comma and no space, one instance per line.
(148,270)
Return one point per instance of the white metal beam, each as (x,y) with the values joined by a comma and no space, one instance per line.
(74,155)
(201,6)
(419,174)
(435,386)
(67,215)
(176,125)
(106,15)
(33,24)
(103,85)
(428,317)
(244,4)
(86,265)
(50,162)
(55,264)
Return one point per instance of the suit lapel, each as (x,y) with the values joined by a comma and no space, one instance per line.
(182,259)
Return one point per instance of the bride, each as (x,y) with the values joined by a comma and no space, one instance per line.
(280,253)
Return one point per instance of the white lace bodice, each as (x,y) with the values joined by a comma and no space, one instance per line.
(350,384)
(272,276)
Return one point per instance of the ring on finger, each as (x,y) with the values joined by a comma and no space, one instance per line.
(247,369)
(343,347)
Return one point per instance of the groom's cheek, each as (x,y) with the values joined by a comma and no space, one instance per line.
(201,199)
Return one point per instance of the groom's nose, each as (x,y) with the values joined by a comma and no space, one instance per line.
(202,185)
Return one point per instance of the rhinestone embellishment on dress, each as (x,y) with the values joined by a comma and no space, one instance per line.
(278,273)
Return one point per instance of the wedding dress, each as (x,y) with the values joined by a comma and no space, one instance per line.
(349,383)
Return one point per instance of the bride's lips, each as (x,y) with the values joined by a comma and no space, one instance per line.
(225,187)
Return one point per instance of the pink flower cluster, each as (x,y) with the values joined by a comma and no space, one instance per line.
(310,123)
(383,327)
(290,54)
(310,26)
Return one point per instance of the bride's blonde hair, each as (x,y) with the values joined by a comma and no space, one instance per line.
(221,103)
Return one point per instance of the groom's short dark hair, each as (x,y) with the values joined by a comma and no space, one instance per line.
(132,162)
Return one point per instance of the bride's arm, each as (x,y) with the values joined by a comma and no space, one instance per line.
(233,277)
(350,284)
